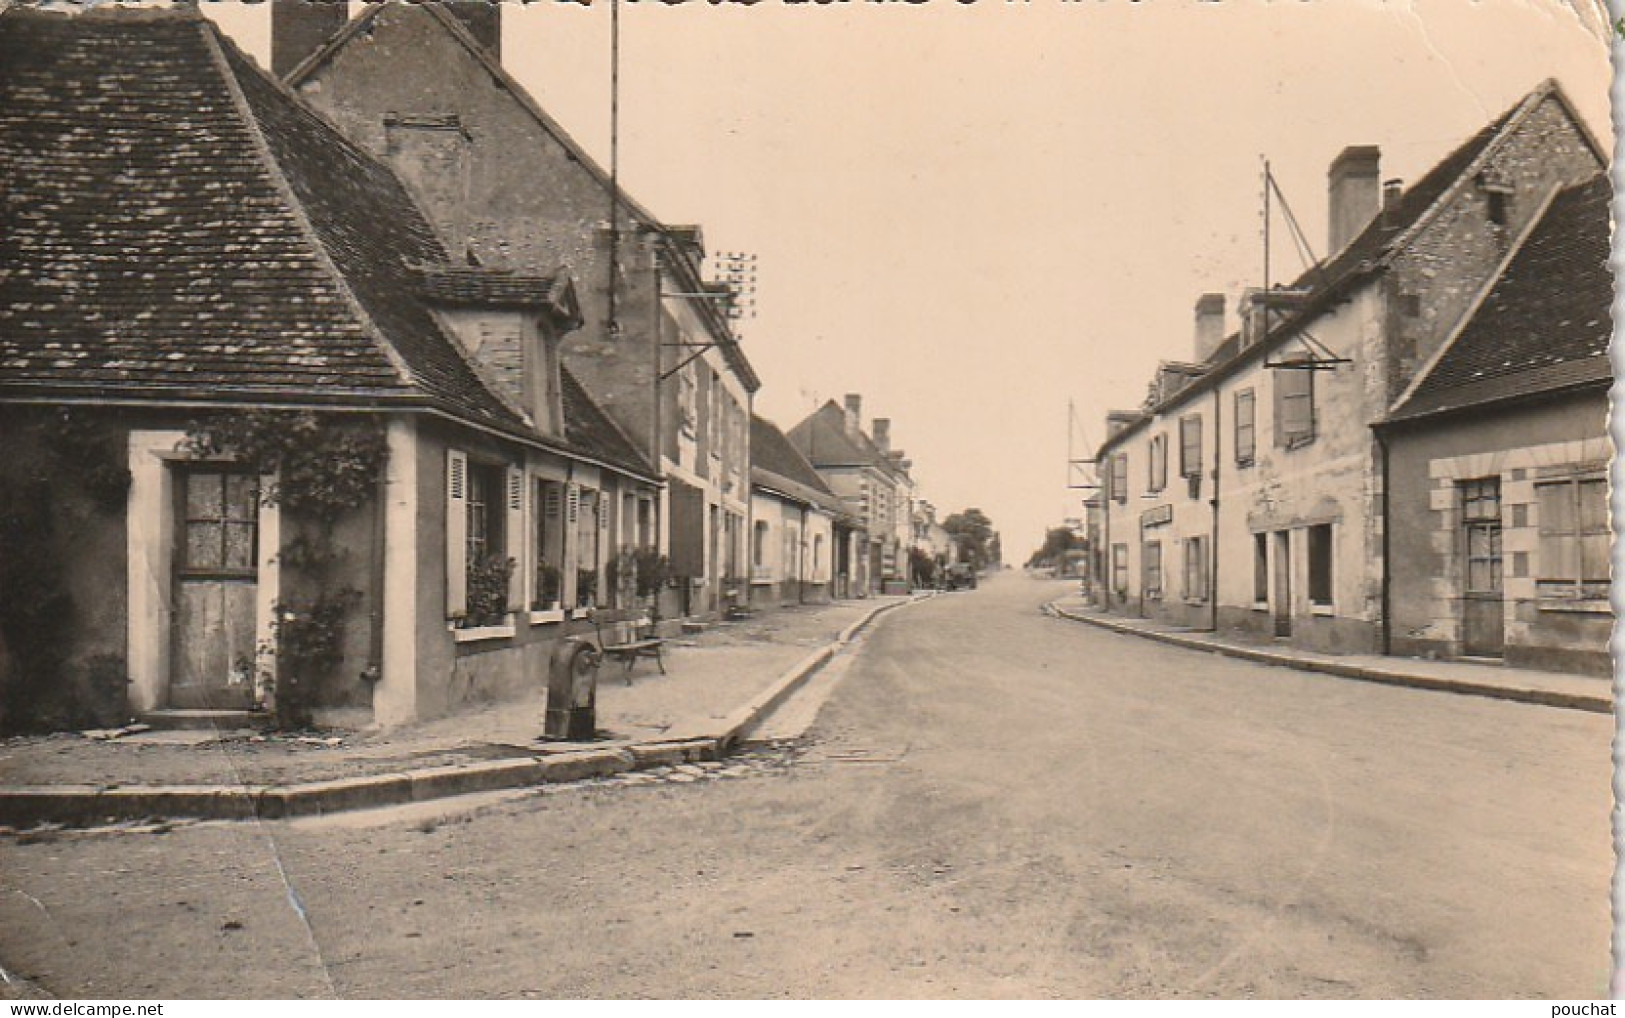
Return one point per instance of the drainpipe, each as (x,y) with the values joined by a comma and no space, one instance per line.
(1386,606)
(1213,553)
(801,558)
(1109,495)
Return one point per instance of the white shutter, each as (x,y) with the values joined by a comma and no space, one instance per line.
(570,546)
(517,543)
(456,533)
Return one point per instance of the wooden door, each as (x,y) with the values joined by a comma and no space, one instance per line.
(1282,607)
(1483,622)
(216,574)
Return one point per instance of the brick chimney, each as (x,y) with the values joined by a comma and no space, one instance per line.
(1352,194)
(854,410)
(299,27)
(1118,420)
(882,430)
(1209,325)
(1393,192)
(483,19)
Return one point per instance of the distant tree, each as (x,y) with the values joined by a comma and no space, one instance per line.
(995,551)
(1057,542)
(973,535)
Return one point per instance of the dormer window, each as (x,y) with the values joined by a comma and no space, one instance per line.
(1498,192)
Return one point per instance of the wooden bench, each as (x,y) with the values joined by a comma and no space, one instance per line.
(627,634)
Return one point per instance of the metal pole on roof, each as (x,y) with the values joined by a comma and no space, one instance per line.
(614,161)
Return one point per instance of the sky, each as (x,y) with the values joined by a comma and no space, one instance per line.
(976,213)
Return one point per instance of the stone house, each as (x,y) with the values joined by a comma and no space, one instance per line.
(270,443)
(505,186)
(1498,460)
(1246,494)
(802,536)
(872,481)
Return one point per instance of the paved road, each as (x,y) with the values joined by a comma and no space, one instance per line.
(990,803)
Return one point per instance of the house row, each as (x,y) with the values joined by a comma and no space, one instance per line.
(344,393)
(1404,450)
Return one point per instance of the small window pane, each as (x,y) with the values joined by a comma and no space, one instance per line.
(203,545)
(239,546)
(240,496)
(203,497)
(1594,557)
(1593,509)
(1556,508)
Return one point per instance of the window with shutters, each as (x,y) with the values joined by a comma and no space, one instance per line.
(1294,407)
(588,520)
(1151,570)
(688,412)
(1573,563)
(1246,428)
(1120,570)
(485,514)
(1196,571)
(1190,446)
(1156,464)
(482,499)
(548,516)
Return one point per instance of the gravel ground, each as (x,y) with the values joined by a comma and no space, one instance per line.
(990,804)
(710,675)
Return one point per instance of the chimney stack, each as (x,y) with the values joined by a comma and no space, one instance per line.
(1352,194)
(1393,191)
(483,19)
(854,408)
(300,27)
(1209,325)
(882,429)
(1117,420)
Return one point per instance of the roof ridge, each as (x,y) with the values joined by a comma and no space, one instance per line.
(603,415)
(305,67)
(215,43)
(1471,311)
(1507,122)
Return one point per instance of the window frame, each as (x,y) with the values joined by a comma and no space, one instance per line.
(1284,394)
(1246,452)
(1151,570)
(1196,569)
(1190,445)
(1576,587)
(1320,585)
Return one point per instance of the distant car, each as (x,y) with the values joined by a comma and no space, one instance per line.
(960,576)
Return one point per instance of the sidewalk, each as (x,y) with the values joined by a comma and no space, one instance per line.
(1526,685)
(719,684)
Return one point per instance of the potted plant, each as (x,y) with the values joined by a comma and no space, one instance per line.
(548,584)
(488,591)
(586,588)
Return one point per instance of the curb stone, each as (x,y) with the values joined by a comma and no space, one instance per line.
(1594,703)
(94,805)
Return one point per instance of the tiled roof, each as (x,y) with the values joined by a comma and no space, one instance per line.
(1383,236)
(775,463)
(1545,324)
(361,27)
(589,430)
(823,439)
(178,226)
(463,286)
(176,223)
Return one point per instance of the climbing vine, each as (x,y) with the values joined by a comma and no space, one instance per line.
(63,480)
(322,467)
